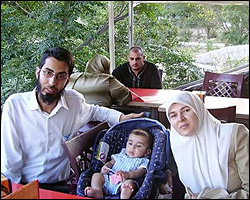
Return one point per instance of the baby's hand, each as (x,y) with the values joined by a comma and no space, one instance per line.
(104,169)
(123,174)
(115,178)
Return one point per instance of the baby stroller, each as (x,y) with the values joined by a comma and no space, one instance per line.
(114,139)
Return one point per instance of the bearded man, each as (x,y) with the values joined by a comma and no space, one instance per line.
(35,124)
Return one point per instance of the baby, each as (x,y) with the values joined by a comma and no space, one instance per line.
(119,174)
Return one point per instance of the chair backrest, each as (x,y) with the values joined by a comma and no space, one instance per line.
(81,146)
(160,72)
(28,191)
(227,114)
(223,85)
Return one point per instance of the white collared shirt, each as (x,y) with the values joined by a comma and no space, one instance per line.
(31,139)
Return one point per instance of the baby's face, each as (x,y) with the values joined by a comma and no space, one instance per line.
(137,146)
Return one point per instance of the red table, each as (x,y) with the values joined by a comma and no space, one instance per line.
(150,97)
(147,100)
(49,194)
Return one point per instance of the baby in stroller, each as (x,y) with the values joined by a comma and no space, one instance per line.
(120,173)
(116,140)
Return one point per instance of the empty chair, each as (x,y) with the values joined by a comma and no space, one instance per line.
(80,146)
(227,114)
(223,85)
(160,72)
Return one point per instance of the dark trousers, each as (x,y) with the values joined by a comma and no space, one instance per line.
(178,188)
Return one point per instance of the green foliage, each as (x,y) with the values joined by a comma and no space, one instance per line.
(231,22)
(235,24)
(210,45)
(179,69)
(30,27)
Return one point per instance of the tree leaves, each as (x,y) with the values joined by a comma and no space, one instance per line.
(30,27)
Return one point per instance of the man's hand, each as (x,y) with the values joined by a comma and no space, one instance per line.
(131,116)
(167,187)
(169,178)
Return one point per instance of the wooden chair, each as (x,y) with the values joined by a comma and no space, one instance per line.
(79,150)
(28,191)
(227,114)
(223,85)
(160,72)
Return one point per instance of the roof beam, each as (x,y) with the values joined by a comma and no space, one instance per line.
(198,2)
(131,24)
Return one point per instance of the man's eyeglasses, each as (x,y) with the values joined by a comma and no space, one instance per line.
(60,76)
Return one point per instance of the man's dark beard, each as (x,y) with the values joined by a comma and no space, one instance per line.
(47,98)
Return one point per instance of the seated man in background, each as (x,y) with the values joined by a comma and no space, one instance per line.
(137,72)
(98,86)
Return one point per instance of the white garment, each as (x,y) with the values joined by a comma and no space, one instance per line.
(202,159)
(31,139)
(125,163)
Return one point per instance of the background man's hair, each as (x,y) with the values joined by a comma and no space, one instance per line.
(137,49)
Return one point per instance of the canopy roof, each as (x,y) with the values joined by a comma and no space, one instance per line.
(199,2)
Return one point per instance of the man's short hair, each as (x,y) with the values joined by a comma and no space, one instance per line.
(137,49)
(61,54)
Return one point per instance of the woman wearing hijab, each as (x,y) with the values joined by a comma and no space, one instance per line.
(97,84)
(212,157)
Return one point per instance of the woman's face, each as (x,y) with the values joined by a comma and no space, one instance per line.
(183,119)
